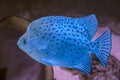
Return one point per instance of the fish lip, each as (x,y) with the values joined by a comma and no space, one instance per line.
(18,42)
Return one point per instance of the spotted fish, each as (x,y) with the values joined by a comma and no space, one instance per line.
(66,42)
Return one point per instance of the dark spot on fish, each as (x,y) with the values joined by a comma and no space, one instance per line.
(81,28)
(81,36)
(61,23)
(58,34)
(44,29)
(97,46)
(84,48)
(73,34)
(53,28)
(77,31)
(69,34)
(76,52)
(75,40)
(62,40)
(41,23)
(83,43)
(70,26)
(82,24)
(59,27)
(53,36)
(87,44)
(56,43)
(72,30)
(81,33)
(92,46)
(50,34)
(90,43)
(68,29)
(70,49)
(57,39)
(43,37)
(69,38)
(97,42)
(40,33)
(47,39)
(49,29)
(50,21)
(56,31)
(70,44)
(45,33)
(51,24)
(52,49)
(64,33)
(72,23)
(85,35)
(54,19)
(39,27)
(73,44)
(52,46)
(78,43)
(86,41)
(51,40)
(58,48)
(64,25)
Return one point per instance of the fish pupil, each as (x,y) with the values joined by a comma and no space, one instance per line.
(24,41)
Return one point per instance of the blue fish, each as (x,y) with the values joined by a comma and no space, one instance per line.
(66,42)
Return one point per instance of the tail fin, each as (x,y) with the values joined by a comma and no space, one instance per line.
(104,47)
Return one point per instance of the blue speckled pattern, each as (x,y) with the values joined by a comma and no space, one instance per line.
(65,41)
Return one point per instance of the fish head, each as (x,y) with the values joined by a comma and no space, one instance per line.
(31,40)
(26,43)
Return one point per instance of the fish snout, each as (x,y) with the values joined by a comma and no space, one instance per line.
(22,41)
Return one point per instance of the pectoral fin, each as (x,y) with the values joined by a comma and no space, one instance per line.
(42,44)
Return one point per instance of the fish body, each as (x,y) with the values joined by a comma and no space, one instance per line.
(65,41)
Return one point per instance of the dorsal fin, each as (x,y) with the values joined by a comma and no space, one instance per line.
(90,24)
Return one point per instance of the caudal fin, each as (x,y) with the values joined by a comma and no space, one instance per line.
(103,47)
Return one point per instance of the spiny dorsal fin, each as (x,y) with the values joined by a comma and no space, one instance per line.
(90,24)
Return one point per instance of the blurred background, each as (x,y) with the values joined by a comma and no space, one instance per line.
(15,16)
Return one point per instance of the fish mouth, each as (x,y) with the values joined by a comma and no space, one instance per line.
(18,42)
(21,43)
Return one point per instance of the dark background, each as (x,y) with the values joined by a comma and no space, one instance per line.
(39,8)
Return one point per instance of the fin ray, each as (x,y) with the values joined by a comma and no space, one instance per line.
(85,64)
(90,24)
(103,51)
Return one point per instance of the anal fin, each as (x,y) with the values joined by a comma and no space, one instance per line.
(85,64)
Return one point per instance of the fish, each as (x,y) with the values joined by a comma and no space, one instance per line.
(66,42)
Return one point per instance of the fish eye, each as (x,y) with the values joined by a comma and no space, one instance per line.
(24,41)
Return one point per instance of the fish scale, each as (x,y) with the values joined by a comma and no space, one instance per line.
(66,42)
